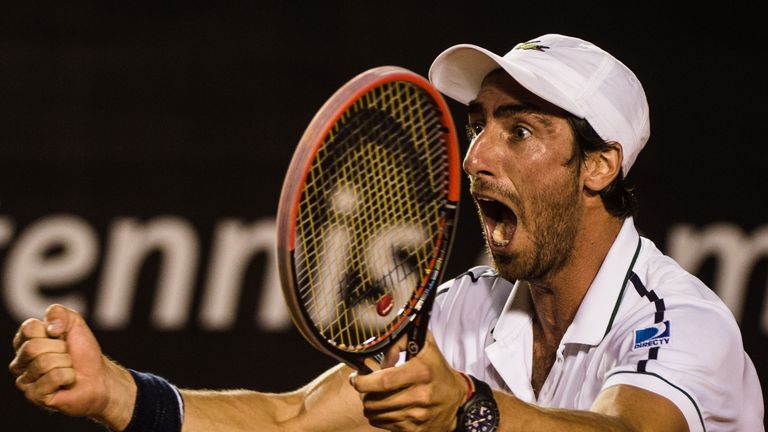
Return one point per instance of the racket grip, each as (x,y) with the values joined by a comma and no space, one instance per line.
(416,338)
(418,331)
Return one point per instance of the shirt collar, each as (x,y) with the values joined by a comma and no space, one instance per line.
(516,314)
(600,304)
(598,309)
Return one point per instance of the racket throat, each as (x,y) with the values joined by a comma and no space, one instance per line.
(367,365)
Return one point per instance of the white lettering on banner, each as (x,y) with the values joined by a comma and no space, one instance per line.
(129,244)
(233,247)
(53,252)
(59,250)
(736,253)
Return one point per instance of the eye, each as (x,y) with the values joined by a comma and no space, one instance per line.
(520,132)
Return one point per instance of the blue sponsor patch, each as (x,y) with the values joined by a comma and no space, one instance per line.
(655,335)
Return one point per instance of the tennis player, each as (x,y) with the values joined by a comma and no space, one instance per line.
(580,324)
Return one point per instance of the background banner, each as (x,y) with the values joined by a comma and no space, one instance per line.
(142,151)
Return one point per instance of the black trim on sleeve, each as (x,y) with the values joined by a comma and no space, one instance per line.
(487,273)
(639,287)
(471,276)
(651,296)
(653,353)
(690,398)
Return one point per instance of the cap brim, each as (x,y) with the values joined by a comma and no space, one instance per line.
(458,72)
(569,73)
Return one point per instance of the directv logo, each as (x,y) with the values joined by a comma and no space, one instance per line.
(656,335)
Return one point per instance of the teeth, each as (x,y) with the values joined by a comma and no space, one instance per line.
(498,235)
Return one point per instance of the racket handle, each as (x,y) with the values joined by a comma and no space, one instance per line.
(418,331)
(360,366)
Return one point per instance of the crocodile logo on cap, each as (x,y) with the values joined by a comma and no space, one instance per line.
(531,45)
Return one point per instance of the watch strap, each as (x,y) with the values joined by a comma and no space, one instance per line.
(478,389)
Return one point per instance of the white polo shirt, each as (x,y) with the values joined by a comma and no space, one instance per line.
(644,322)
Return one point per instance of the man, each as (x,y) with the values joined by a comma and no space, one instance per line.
(600,331)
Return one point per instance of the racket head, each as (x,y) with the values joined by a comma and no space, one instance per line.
(367,213)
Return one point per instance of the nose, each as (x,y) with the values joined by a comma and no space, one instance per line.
(480,159)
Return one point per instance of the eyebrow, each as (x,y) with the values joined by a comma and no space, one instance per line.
(507,110)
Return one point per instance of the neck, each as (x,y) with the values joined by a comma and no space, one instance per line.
(557,297)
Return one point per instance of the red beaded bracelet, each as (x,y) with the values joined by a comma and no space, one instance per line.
(470,388)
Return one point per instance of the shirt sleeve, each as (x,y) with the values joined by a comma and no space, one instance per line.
(689,352)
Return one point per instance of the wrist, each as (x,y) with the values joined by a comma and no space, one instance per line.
(120,397)
(465,388)
(479,412)
(470,387)
(159,406)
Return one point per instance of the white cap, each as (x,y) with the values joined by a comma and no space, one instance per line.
(571,73)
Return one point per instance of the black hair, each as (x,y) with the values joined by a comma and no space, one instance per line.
(618,197)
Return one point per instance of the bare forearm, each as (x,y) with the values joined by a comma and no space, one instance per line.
(619,408)
(326,404)
(525,417)
(237,410)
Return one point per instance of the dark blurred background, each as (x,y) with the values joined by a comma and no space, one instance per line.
(143,150)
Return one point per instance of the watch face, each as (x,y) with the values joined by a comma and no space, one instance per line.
(481,416)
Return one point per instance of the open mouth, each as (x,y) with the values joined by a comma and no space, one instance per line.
(499,221)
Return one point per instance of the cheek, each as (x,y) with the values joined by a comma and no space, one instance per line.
(547,190)
(527,172)
(532,159)
(537,153)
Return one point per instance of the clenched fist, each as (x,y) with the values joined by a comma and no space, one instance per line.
(59,365)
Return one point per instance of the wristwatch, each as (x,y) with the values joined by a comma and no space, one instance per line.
(479,413)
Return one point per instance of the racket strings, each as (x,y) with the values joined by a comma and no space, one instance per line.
(385,152)
(430,127)
(346,169)
(396,269)
(358,259)
(379,179)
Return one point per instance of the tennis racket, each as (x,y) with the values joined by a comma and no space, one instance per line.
(367,214)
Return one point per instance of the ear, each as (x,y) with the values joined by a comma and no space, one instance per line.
(602,166)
